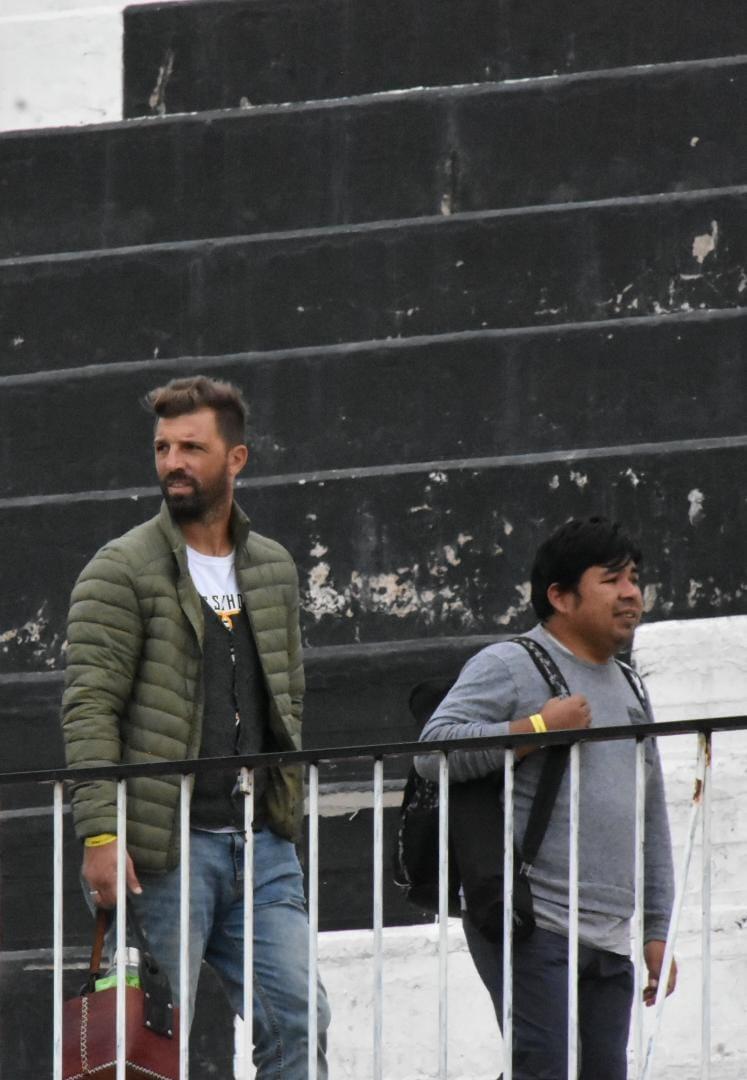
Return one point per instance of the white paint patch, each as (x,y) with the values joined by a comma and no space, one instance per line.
(633,477)
(418,509)
(704,244)
(650,595)
(438,477)
(318,550)
(695,140)
(464,538)
(525,592)
(693,593)
(579,479)
(507,527)
(696,498)
(321,597)
(451,556)
(554,482)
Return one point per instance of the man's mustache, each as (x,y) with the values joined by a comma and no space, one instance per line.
(178,477)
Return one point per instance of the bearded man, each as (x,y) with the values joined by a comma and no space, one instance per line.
(184,641)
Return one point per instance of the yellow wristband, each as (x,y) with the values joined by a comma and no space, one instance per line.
(538,723)
(100,840)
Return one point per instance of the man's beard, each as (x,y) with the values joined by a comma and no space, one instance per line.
(200,504)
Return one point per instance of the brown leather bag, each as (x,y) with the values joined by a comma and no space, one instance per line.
(152,1026)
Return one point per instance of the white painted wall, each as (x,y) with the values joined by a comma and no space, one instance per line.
(60,62)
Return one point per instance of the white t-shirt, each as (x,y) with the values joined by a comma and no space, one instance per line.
(215,579)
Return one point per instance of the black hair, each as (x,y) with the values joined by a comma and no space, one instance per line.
(572,549)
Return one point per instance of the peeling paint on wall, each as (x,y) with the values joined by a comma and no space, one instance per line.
(525,593)
(33,640)
(704,244)
(696,512)
(650,596)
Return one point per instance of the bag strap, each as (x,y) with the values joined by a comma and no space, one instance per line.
(158,1006)
(636,684)
(546,666)
(554,764)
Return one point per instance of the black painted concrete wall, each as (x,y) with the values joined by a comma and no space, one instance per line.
(461,315)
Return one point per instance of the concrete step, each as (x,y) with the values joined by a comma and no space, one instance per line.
(422,553)
(196,56)
(570,263)
(495,393)
(591,136)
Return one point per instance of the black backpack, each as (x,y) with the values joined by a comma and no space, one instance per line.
(476,823)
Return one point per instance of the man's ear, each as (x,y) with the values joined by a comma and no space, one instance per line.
(237,458)
(560,599)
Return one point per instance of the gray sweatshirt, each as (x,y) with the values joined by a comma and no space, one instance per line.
(501,684)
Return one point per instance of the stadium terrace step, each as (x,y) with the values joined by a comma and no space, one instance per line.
(617,133)
(437,552)
(652,255)
(494,393)
(218,54)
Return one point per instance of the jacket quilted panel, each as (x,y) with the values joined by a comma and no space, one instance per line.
(133,690)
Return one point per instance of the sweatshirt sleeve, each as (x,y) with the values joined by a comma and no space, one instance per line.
(658,869)
(480,703)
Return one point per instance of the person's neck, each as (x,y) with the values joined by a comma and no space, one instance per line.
(593,651)
(211,537)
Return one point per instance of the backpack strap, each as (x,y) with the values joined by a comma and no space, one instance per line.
(636,685)
(556,758)
(546,666)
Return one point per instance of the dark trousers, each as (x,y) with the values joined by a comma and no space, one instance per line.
(540,1005)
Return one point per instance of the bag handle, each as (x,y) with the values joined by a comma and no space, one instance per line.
(97,949)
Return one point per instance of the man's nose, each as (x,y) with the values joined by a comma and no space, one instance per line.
(172,460)
(630,590)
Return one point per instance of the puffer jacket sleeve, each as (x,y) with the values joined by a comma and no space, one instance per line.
(104,635)
(296,680)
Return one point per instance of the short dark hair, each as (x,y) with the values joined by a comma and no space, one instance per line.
(181,396)
(571,550)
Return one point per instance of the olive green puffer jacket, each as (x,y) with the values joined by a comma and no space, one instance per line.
(133,687)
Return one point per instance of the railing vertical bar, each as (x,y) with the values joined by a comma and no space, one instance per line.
(247,788)
(679,898)
(378,916)
(573,914)
(184,934)
(443,915)
(121,967)
(508,907)
(638,929)
(705,1045)
(313,916)
(57,916)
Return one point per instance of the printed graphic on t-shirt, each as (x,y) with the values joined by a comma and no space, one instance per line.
(226,607)
(215,579)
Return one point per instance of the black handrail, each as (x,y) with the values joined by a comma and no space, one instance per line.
(375,751)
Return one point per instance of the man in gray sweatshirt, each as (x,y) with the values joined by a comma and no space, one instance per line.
(586,594)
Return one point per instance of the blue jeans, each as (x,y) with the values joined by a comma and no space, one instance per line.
(281,936)
(540,1004)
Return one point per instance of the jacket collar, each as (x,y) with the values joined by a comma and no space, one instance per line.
(240,527)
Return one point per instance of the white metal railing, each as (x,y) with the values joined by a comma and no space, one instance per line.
(643,1050)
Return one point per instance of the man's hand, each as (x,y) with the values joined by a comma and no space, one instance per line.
(566,712)
(100,874)
(653,953)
